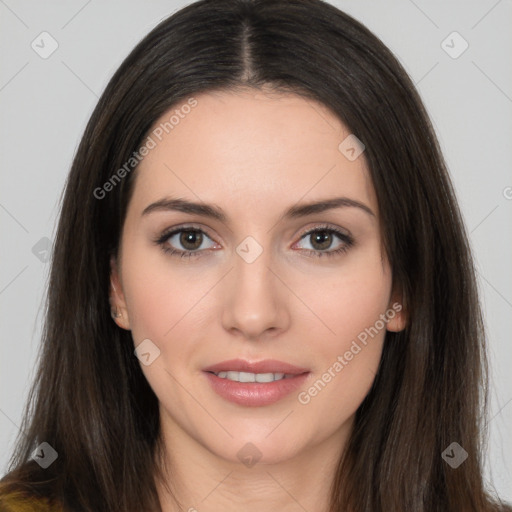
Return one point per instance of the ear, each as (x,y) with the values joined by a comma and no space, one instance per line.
(396,313)
(116,295)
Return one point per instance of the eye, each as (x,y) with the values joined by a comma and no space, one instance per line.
(187,241)
(189,238)
(322,238)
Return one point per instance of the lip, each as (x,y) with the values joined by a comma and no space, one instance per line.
(256,394)
(265,366)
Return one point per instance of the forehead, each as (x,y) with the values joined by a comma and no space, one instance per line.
(244,147)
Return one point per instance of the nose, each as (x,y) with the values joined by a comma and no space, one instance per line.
(254,299)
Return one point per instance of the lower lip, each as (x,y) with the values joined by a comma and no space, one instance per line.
(255,394)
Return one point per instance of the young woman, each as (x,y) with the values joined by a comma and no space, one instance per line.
(262,295)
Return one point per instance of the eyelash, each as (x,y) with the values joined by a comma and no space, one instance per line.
(347,239)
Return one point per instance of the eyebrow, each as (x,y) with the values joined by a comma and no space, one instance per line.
(215,212)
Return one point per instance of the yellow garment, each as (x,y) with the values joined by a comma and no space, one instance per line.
(12,501)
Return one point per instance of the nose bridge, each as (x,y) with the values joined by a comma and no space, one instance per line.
(252,262)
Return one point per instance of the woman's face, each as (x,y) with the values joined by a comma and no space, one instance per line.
(256,286)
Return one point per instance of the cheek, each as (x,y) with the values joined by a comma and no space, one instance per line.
(151,309)
(348,360)
(163,304)
(169,303)
(349,301)
(349,339)
(158,295)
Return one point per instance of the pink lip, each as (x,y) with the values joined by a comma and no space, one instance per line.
(255,394)
(265,366)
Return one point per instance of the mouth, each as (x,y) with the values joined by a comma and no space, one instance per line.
(255,384)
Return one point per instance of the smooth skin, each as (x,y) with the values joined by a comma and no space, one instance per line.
(254,154)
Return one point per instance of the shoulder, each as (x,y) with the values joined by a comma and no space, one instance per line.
(13,499)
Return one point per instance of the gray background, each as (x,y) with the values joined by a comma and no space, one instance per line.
(45,104)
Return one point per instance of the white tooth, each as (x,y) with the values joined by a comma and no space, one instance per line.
(264,377)
(233,375)
(250,377)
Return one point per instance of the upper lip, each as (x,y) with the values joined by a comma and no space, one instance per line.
(265,366)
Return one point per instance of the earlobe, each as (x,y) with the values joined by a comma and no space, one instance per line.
(119,311)
(396,313)
(397,322)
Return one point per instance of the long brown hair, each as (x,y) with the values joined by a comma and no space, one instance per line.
(90,400)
